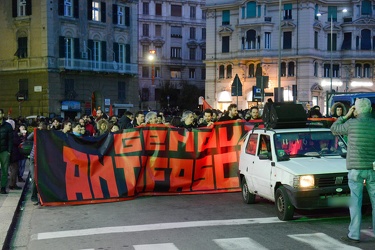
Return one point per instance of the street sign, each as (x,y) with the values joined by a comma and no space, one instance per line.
(236,86)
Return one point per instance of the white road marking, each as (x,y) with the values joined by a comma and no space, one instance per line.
(239,244)
(321,241)
(152,227)
(161,246)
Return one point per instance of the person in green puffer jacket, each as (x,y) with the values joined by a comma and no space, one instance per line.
(359,161)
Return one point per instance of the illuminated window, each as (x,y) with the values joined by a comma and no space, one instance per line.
(96,10)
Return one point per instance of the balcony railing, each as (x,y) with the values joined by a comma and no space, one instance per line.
(98,66)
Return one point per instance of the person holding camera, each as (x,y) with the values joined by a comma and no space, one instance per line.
(359,161)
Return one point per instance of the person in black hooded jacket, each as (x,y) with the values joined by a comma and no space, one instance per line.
(6,144)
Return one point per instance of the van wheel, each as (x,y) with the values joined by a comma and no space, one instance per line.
(284,208)
(248,197)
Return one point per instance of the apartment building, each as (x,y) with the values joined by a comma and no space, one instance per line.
(318,47)
(68,57)
(173,33)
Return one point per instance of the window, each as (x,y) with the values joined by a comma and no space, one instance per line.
(22,8)
(221,71)
(334,42)
(96,10)
(145,29)
(336,70)
(252,144)
(121,90)
(267,40)
(191,73)
(22,48)
(291,69)
(121,15)
(367,71)
(145,9)
(332,12)
(229,71)
(159,51)
(203,33)
(366,8)
(251,9)
(347,43)
(327,72)
(122,54)
(145,94)
(192,12)
(158,9)
(203,57)
(283,69)
(97,54)
(176,52)
(158,30)
(145,51)
(225,44)
(145,72)
(176,10)
(175,73)
(176,31)
(316,69)
(250,41)
(316,34)
(365,39)
(69,49)
(157,72)
(287,40)
(23,87)
(251,70)
(68,8)
(288,11)
(358,70)
(203,74)
(192,32)
(192,52)
(225,17)
(70,94)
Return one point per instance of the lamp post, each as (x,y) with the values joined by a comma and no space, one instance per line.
(151,58)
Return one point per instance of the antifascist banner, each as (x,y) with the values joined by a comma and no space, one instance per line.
(149,160)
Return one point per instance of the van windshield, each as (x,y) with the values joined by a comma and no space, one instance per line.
(305,144)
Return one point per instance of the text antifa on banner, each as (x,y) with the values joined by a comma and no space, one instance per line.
(155,160)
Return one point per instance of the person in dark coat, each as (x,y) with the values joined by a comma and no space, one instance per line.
(14,158)
(6,144)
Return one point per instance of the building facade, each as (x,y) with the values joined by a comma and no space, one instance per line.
(318,47)
(68,57)
(175,31)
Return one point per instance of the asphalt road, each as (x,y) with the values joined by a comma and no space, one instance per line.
(211,221)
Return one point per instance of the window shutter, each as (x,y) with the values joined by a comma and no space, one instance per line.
(89,9)
(104,51)
(60,10)
(114,14)
(61,47)
(76,49)
(76,8)
(14,8)
(90,46)
(127,48)
(127,16)
(115,49)
(28,7)
(103,12)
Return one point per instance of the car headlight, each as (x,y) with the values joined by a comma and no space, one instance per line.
(304,181)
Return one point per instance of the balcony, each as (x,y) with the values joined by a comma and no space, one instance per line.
(89,65)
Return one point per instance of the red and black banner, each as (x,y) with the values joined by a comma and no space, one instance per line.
(150,160)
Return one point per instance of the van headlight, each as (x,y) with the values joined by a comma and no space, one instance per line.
(304,181)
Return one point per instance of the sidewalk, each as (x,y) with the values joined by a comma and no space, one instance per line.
(10,205)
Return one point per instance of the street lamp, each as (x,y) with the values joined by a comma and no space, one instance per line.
(151,58)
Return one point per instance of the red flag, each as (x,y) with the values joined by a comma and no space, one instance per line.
(206,105)
(110,110)
(9,111)
(94,112)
